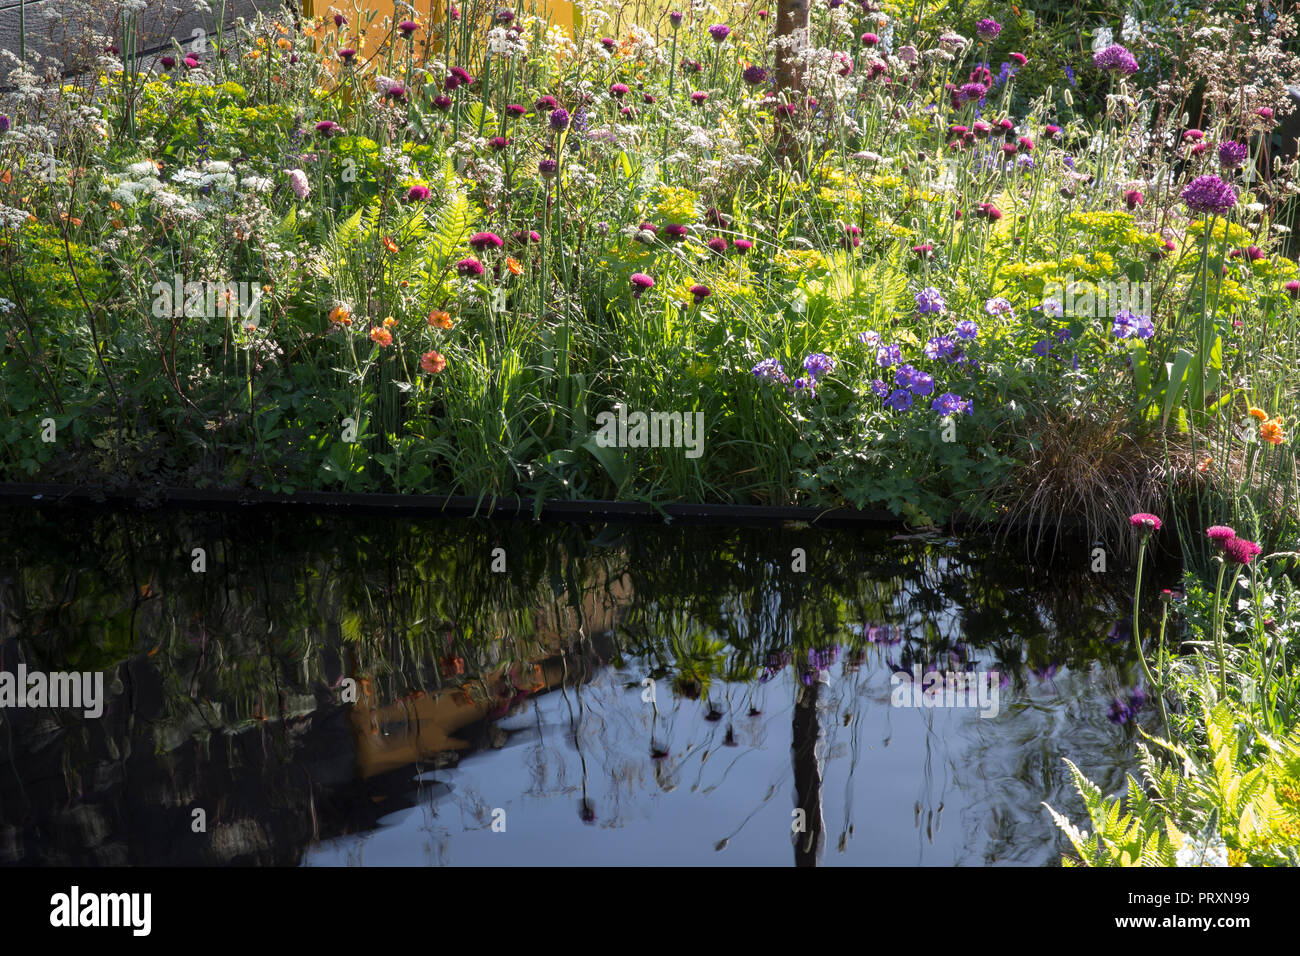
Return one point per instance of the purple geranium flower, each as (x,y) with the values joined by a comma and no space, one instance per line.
(888,356)
(951,404)
(929,300)
(966,329)
(900,399)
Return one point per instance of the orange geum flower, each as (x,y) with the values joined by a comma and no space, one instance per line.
(1204,466)
(433,362)
(439,319)
(283,44)
(1271,432)
(390,245)
(1258,413)
(341,314)
(513,264)
(389,322)
(381,336)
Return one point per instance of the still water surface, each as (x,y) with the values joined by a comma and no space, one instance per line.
(373,691)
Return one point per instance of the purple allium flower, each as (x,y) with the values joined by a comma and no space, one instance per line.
(559,120)
(900,400)
(547,168)
(719,32)
(988,29)
(879,387)
(1241,551)
(887,356)
(418,193)
(1115,59)
(1232,154)
(640,283)
(470,267)
(966,329)
(818,364)
(951,404)
(930,300)
(675,18)
(754,75)
(1144,522)
(485,240)
(770,370)
(1210,195)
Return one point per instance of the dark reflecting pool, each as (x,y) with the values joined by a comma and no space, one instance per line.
(284,689)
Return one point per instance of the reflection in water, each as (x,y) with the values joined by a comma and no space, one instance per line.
(371,691)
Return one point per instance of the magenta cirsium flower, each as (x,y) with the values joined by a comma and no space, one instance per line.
(485,240)
(1144,522)
(470,267)
(641,283)
(418,193)
(701,292)
(1220,534)
(1241,551)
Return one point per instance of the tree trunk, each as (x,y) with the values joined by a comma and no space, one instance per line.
(792,38)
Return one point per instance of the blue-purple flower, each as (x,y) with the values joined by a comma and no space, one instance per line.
(967,330)
(930,300)
(1128,324)
(879,387)
(940,347)
(818,364)
(770,370)
(999,306)
(1232,154)
(870,338)
(951,404)
(900,399)
(888,356)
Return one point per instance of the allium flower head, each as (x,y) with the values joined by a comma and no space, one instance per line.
(988,29)
(1115,59)
(1232,154)
(547,168)
(559,120)
(754,75)
(1209,195)
(719,32)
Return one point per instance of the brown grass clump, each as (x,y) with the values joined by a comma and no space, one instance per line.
(1085,472)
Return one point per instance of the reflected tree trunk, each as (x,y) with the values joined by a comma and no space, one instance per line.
(807,776)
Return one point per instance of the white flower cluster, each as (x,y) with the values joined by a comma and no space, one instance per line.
(1214,854)
(507,43)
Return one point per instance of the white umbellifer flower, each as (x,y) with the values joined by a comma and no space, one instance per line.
(257,184)
(11,218)
(1214,854)
(6,306)
(187,177)
(1102,37)
(142,169)
(134,6)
